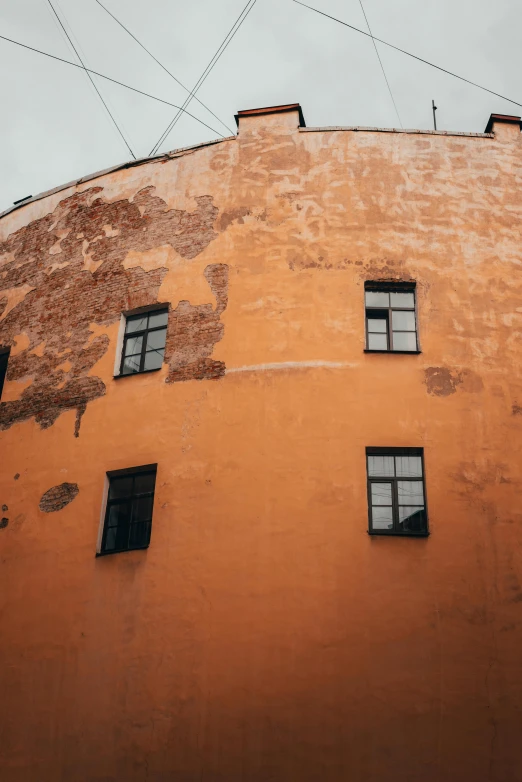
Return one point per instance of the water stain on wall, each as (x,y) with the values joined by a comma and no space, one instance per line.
(440,381)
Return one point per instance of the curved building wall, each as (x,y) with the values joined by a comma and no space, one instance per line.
(264,634)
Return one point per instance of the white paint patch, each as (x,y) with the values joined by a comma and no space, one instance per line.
(280,365)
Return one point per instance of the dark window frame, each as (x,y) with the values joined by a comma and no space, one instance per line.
(131,499)
(4,362)
(142,333)
(386,313)
(396,531)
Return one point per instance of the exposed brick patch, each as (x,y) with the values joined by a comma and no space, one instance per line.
(194,330)
(440,381)
(65,301)
(4,522)
(58,497)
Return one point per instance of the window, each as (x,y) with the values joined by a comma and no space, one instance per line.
(128,515)
(391,323)
(4,358)
(396,491)
(144,342)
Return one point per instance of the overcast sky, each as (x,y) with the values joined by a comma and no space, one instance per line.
(54,127)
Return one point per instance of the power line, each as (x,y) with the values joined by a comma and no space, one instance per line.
(108,78)
(380,63)
(110,104)
(161,65)
(242,16)
(420,59)
(92,81)
(207,70)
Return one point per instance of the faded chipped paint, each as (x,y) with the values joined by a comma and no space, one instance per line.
(264,635)
(59,302)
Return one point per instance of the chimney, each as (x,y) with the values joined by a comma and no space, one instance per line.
(504,126)
(289,117)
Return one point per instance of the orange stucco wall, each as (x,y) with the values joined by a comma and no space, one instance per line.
(264,635)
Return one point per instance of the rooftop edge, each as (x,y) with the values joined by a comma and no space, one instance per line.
(488,133)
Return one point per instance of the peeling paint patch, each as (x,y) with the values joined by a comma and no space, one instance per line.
(304,261)
(235,215)
(58,497)
(194,330)
(516,409)
(46,298)
(4,522)
(440,381)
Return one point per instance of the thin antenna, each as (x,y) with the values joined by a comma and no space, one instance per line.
(434,117)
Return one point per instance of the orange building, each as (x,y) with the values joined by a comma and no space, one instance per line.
(277,378)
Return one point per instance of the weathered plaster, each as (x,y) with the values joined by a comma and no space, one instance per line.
(264,635)
(58,303)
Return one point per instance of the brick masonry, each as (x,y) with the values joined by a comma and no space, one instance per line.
(49,256)
(58,497)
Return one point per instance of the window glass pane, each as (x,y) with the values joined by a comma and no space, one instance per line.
(158,319)
(381,466)
(410,492)
(408,466)
(377,299)
(404,340)
(130,365)
(133,346)
(402,300)
(144,481)
(413,519)
(156,339)
(136,323)
(377,342)
(110,539)
(142,509)
(403,321)
(381,493)
(119,513)
(120,487)
(382,518)
(128,520)
(139,535)
(122,536)
(377,325)
(153,359)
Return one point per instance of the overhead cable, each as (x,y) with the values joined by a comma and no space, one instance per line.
(162,66)
(92,81)
(108,78)
(380,63)
(231,33)
(403,51)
